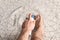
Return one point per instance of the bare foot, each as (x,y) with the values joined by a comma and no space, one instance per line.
(37,33)
(27,27)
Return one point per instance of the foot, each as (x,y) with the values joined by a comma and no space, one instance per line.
(27,27)
(37,33)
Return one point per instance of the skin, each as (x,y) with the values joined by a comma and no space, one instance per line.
(38,34)
(29,26)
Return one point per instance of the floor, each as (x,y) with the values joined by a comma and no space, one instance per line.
(13,13)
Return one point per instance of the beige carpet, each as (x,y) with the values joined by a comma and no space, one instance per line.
(13,13)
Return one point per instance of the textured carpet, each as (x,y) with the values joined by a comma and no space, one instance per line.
(13,13)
